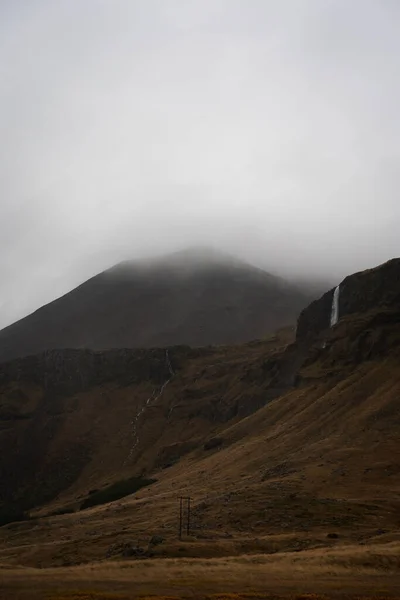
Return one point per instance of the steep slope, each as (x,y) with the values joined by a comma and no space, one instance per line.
(279,444)
(195,297)
(74,417)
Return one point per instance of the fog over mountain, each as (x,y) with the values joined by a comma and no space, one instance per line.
(133,128)
(196,297)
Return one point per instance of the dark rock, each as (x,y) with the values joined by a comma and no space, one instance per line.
(332,536)
(281,470)
(212,443)
(133,551)
(359,293)
(129,551)
(380,532)
(315,317)
(169,455)
(126,549)
(66,372)
(156,540)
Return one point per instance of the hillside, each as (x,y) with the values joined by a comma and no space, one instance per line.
(194,297)
(286,445)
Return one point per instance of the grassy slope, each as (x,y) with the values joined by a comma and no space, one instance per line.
(322,458)
(87,440)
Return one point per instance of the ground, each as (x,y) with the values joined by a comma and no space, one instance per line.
(301,496)
(342,571)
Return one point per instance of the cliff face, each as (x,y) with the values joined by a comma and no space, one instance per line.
(315,318)
(370,289)
(64,372)
(359,293)
(38,397)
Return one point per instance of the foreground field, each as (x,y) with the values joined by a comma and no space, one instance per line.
(371,571)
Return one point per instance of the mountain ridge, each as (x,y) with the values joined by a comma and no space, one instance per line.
(194,298)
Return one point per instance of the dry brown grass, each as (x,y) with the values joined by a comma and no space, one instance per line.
(351,570)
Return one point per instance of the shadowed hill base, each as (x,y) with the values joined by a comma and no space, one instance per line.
(117,490)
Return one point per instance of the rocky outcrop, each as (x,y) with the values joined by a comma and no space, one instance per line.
(367,290)
(315,318)
(359,293)
(64,372)
(31,420)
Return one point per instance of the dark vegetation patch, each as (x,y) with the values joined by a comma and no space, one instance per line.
(9,412)
(10,514)
(13,415)
(117,490)
(212,443)
(281,470)
(66,510)
(169,455)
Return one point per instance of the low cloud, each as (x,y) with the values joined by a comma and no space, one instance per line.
(131,128)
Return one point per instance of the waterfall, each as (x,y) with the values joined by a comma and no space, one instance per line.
(335,307)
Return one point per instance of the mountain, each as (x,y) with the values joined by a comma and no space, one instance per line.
(287,444)
(196,297)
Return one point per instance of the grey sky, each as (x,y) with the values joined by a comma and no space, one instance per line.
(132,127)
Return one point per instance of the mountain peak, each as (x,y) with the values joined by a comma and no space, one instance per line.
(193,257)
(197,296)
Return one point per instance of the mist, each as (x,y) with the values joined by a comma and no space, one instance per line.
(266,129)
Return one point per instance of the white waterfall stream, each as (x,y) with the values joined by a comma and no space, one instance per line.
(150,400)
(335,306)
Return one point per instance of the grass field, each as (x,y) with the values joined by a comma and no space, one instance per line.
(351,571)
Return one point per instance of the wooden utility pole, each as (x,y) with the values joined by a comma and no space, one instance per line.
(188,516)
(184,502)
(180,517)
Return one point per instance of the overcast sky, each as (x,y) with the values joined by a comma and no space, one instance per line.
(269,128)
